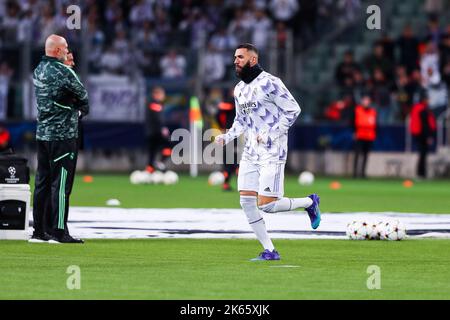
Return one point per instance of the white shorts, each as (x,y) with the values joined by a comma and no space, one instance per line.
(266,179)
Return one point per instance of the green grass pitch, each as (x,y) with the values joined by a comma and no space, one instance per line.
(373,195)
(220,269)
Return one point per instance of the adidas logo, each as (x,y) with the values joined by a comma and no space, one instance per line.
(267,189)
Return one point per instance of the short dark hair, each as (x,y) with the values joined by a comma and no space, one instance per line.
(248,46)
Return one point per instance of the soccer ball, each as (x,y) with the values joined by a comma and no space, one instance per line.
(358,230)
(373,231)
(157,177)
(306,178)
(395,230)
(170,177)
(136,177)
(216,178)
(382,227)
(349,230)
(146,177)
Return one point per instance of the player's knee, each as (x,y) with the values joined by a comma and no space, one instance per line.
(268,207)
(267,204)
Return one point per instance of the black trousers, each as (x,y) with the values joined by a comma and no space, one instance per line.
(53,185)
(362,149)
(229,169)
(422,145)
(155,143)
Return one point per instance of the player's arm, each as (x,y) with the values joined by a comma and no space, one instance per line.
(238,127)
(287,105)
(73,85)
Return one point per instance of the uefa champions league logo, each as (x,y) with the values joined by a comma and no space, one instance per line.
(12,172)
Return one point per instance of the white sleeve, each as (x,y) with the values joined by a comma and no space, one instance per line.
(239,125)
(287,105)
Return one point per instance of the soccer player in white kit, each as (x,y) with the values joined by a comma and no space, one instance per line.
(265,110)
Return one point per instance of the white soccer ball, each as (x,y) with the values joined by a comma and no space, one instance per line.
(113,202)
(136,177)
(306,178)
(157,177)
(170,177)
(356,230)
(382,227)
(373,232)
(362,230)
(395,231)
(349,230)
(146,177)
(216,178)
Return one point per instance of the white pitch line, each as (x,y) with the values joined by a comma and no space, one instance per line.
(121,223)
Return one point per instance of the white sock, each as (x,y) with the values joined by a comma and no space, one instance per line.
(256,221)
(286,204)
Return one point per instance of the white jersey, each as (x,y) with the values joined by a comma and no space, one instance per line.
(264,108)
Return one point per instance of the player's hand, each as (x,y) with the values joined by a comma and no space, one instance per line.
(262,137)
(69,61)
(220,139)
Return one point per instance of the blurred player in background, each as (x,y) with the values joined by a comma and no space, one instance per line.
(265,110)
(225,118)
(157,133)
(423,128)
(365,132)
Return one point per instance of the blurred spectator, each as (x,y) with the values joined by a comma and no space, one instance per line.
(261,30)
(379,60)
(10,23)
(346,68)
(430,61)
(445,58)
(284,10)
(197,26)
(437,94)
(433,7)
(408,45)
(173,65)
(225,43)
(141,12)
(403,96)
(381,94)
(359,85)
(147,38)
(110,61)
(434,31)
(281,35)
(388,46)
(240,27)
(213,65)
(47,23)
(349,9)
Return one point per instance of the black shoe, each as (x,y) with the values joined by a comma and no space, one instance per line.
(66,238)
(41,237)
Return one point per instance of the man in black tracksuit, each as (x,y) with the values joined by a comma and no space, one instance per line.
(61,100)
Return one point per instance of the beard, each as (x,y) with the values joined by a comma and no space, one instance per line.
(243,70)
